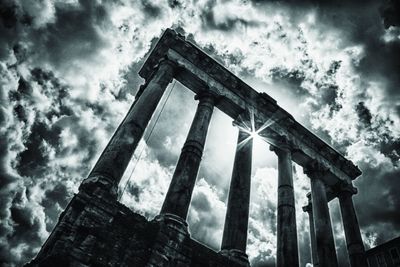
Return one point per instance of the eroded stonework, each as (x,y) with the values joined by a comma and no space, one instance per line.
(96,230)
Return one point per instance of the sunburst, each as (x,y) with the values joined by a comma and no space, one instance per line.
(249,127)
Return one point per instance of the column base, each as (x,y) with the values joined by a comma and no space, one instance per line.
(171,243)
(98,185)
(173,221)
(236,255)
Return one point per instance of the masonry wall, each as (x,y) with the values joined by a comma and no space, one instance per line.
(386,254)
(96,230)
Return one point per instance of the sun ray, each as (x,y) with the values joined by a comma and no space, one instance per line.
(242,143)
(252,131)
(266,124)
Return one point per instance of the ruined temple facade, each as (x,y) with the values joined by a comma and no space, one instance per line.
(96,230)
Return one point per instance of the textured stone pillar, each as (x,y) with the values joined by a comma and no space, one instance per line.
(234,238)
(322,222)
(287,250)
(355,246)
(117,154)
(308,209)
(179,194)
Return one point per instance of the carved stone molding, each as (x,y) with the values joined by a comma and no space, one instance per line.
(346,190)
(315,170)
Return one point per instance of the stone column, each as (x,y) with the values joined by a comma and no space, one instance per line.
(179,194)
(355,245)
(308,209)
(287,250)
(234,238)
(115,158)
(322,222)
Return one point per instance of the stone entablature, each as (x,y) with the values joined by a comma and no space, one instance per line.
(198,70)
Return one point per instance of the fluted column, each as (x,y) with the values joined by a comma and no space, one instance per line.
(308,209)
(287,250)
(322,222)
(112,163)
(355,245)
(234,238)
(179,194)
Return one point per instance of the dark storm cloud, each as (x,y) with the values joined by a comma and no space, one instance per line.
(385,142)
(135,191)
(24,221)
(34,159)
(175,3)
(227,24)
(38,115)
(391,149)
(26,227)
(367,28)
(150,9)
(22,217)
(381,203)
(55,200)
(364,114)
(73,34)
(8,23)
(390,13)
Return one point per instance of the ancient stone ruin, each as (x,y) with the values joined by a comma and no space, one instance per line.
(96,230)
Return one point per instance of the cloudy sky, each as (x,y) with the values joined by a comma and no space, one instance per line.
(68,74)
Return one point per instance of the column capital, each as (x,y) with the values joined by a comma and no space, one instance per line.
(167,70)
(282,145)
(315,169)
(243,121)
(240,123)
(166,61)
(173,221)
(308,207)
(95,184)
(206,97)
(346,189)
